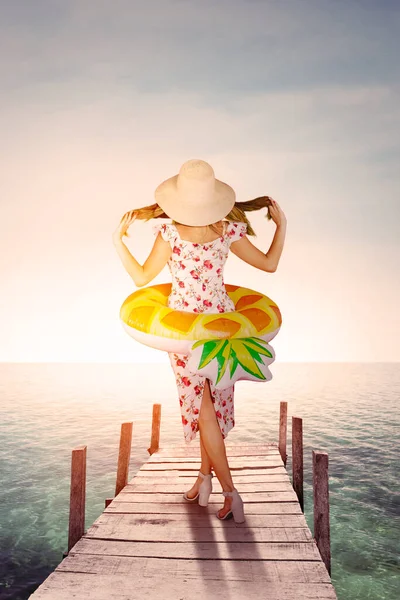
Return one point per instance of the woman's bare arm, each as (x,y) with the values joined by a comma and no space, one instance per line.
(155,262)
(251,255)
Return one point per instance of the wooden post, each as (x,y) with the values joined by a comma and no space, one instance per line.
(283,431)
(108,501)
(125,443)
(321,506)
(297,459)
(77,496)
(155,429)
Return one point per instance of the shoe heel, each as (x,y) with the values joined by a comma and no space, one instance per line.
(238,513)
(205,489)
(237,506)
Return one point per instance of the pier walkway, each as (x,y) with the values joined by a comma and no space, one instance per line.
(150,543)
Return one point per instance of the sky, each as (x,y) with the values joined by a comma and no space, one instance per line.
(103,100)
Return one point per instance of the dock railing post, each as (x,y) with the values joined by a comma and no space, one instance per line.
(297,459)
(125,444)
(77,496)
(283,431)
(155,429)
(321,506)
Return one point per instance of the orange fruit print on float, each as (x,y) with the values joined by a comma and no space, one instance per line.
(223,347)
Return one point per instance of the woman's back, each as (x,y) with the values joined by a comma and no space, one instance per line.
(197,269)
(196,234)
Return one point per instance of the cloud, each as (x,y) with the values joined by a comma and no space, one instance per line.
(215,48)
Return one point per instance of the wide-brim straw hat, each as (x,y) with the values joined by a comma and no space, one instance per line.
(195,196)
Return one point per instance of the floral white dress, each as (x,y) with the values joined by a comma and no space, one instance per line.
(198,286)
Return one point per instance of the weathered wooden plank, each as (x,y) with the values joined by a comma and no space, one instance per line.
(155,429)
(230,452)
(64,586)
(124,455)
(273,458)
(298,459)
(272,451)
(195,466)
(228,446)
(179,488)
(120,528)
(234,452)
(199,519)
(201,550)
(158,508)
(188,481)
(215,498)
(238,475)
(241,446)
(77,495)
(283,430)
(257,571)
(321,505)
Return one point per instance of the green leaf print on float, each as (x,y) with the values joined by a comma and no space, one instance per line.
(243,356)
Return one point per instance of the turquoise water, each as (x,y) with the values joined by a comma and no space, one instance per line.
(348,410)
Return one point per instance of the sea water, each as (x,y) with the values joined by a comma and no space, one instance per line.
(349,410)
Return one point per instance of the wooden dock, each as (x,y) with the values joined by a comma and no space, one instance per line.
(150,543)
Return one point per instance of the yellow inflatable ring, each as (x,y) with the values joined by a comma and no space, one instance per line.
(237,339)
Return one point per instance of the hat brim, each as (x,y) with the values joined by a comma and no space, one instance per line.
(192,208)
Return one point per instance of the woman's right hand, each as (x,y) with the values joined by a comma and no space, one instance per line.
(123,226)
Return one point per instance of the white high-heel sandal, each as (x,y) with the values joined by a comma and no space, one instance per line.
(204,492)
(236,509)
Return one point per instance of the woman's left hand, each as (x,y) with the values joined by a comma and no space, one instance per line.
(277,214)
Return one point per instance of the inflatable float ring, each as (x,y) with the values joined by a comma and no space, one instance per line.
(225,347)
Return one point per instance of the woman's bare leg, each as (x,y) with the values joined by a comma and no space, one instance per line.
(206,464)
(214,445)
(205,468)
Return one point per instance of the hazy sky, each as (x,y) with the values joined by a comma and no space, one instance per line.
(103,100)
